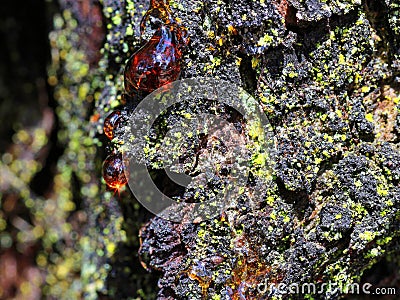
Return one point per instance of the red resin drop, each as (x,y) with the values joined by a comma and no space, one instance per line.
(158,14)
(155,64)
(111,122)
(113,171)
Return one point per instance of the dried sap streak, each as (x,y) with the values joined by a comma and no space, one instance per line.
(158,62)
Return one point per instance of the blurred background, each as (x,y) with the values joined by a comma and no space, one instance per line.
(28,144)
(42,178)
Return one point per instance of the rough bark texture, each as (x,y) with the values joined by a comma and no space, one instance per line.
(327,74)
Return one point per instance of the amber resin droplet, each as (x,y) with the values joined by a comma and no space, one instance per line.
(114,171)
(155,64)
(111,122)
(158,14)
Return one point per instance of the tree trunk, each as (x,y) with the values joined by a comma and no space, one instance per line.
(327,76)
